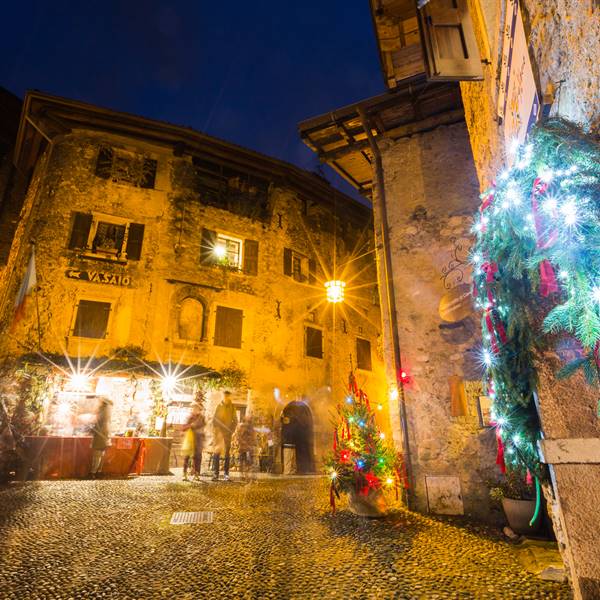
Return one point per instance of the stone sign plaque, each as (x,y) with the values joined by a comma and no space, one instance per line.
(443,495)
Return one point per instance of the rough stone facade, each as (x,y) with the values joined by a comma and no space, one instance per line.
(564,45)
(144,312)
(431,193)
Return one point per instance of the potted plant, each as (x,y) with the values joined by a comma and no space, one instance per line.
(517,498)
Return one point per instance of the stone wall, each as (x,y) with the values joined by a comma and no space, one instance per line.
(431,193)
(143,315)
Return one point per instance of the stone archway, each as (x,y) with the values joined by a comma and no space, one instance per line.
(297,430)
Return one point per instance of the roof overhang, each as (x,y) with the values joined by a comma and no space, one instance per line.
(44,117)
(340,140)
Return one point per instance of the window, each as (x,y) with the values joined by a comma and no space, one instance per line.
(191,320)
(299,267)
(126,167)
(106,236)
(228,327)
(314,342)
(92,319)
(363,354)
(226,250)
(451,52)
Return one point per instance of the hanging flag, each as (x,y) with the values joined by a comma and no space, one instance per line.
(27,288)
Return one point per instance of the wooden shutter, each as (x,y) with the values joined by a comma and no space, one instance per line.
(207,245)
(287,261)
(314,342)
(251,257)
(134,241)
(92,319)
(228,327)
(149,173)
(312,271)
(363,354)
(81,230)
(451,50)
(104,162)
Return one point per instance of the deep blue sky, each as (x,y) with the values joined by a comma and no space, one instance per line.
(247,72)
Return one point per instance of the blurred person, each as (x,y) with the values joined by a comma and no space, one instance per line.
(246,440)
(100,435)
(224,425)
(193,443)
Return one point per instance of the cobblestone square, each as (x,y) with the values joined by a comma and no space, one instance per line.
(272,538)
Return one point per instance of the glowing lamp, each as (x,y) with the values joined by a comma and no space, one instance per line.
(389,481)
(78,381)
(335,290)
(382,435)
(219,251)
(333,474)
(169,383)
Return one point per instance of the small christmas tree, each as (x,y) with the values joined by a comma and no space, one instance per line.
(362,462)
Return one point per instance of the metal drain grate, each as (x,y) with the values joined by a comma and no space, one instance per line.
(192,518)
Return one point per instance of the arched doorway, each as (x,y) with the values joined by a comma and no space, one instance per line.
(297,431)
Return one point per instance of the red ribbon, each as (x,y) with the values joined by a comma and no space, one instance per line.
(528,478)
(490,327)
(500,454)
(335,439)
(548,284)
(490,269)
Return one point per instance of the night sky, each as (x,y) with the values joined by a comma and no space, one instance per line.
(246,72)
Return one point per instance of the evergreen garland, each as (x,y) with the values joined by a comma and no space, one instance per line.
(536,270)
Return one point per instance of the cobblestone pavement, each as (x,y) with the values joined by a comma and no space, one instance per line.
(270,539)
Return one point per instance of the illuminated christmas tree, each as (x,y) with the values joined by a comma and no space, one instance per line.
(362,462)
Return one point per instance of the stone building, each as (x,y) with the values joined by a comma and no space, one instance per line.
(409,150)
(424,160)
(164,254)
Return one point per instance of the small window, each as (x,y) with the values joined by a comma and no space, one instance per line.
(228,327)
(228,251)
(314,342)
(297,266)
(92,319)
(106,236)
(126,167)
(363,354)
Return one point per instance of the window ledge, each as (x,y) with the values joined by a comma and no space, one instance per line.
(101,258)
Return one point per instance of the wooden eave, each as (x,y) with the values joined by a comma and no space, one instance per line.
(53,116)
(339,138)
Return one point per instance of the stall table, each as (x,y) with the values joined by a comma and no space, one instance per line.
(63,457)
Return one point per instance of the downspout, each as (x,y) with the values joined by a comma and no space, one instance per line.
(390,293)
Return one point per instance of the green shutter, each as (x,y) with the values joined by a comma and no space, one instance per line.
(251,257)
(134,241)
(80,231)
(287,261)
(209,240)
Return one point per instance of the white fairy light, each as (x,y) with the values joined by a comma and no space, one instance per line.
(569,212)
(596,294)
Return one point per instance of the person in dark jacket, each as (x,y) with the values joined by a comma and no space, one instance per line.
(224,424)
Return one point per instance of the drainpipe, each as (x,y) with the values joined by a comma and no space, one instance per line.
(390,293)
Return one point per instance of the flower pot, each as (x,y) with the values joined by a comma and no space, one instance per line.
(519,513)
(371,505)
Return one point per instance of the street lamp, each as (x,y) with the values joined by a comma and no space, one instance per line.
(335,290)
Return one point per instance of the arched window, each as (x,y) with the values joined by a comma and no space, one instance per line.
(190,320)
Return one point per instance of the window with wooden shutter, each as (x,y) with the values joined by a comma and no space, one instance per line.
(148,173)
(104,163)
(228,327)
(363,354)
(314,342)
(450,46)
(207,246)
(80,232)
(251,257)
(92,319)
(135,238)
(287,261)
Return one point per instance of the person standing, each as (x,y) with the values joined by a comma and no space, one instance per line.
(100,435)
(193,443)
(246,440)
(224,423)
